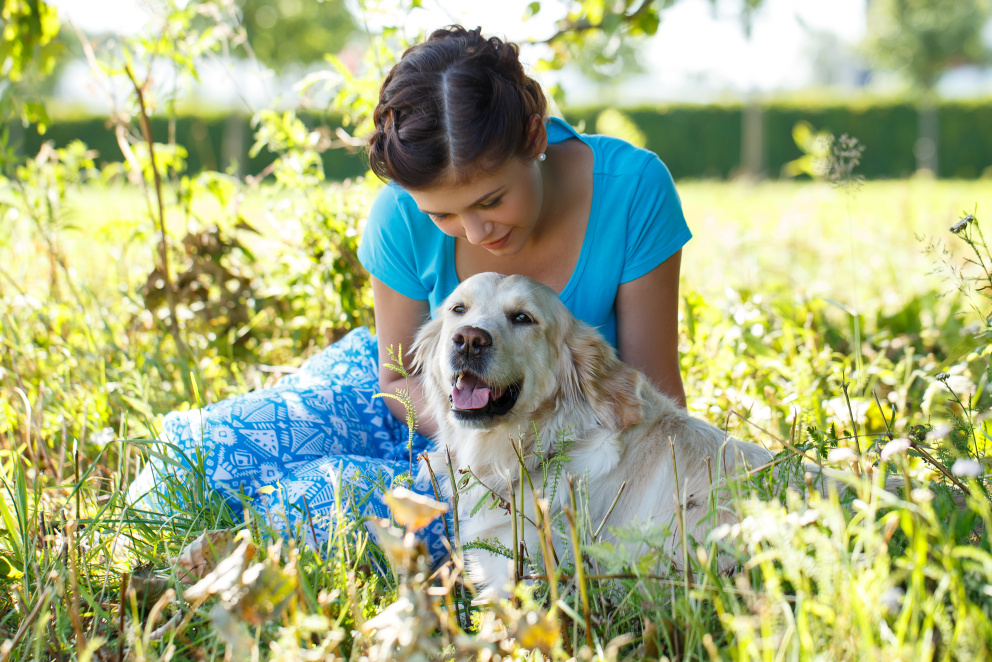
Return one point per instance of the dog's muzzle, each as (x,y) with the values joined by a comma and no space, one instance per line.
(472,398)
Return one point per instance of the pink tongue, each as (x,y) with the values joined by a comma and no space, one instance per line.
(470,393)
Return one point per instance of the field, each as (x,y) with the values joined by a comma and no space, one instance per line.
(823,319)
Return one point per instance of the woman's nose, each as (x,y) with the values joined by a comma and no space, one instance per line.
(476,229)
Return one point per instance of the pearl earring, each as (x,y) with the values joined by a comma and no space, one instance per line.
(542,156)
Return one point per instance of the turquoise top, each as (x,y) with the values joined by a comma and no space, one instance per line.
(635,224)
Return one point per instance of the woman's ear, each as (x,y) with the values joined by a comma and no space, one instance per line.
(537,136)
(590,371)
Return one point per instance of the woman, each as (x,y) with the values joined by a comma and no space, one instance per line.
(480,180)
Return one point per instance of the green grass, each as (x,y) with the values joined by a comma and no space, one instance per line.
(771,284)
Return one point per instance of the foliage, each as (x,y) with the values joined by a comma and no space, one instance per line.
(925,38)
(295,32)
(601,36)
(28,52)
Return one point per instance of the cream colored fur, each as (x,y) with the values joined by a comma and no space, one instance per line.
(572,385)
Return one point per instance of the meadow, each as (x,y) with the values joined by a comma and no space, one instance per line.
(848,323)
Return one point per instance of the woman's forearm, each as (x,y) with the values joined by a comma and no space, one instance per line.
(394,382)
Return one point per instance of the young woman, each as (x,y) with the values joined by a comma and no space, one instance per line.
(480,180)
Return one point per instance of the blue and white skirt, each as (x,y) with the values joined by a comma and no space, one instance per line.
(287,448)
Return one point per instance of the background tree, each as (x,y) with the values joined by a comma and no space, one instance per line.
(288,32)
(922,39)
(29,52)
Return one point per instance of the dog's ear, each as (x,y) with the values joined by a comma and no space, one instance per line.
(591,372)
(425,347)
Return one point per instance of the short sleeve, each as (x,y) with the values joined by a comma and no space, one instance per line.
(388,250)
(656,227)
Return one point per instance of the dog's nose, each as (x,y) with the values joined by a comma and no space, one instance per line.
(471,341)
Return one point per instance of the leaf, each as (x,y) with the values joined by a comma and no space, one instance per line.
(413,511)
(963,348)
(536,631)
(201,556)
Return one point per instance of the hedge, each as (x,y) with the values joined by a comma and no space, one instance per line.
(695,141)
(705,141)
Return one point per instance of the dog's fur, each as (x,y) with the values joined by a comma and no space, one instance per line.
(509,332)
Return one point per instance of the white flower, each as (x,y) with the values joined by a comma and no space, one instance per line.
(966,469)
(843,454)
(102,437)
(895,447)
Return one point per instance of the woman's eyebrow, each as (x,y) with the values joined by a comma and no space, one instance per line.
(487,195)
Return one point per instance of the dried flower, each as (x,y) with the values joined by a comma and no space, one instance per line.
(958,227)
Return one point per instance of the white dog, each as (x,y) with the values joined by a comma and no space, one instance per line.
(505,363)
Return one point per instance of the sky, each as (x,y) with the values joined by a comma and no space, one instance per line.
(699,53)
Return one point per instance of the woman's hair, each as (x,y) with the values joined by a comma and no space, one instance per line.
(453,105)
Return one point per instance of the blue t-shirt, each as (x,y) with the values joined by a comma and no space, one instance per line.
(635,224)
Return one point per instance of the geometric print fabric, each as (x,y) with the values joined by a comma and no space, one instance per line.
(317,427)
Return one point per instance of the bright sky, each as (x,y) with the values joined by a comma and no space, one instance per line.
(698,53)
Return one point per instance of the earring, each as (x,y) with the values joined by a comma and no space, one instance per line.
(542,156)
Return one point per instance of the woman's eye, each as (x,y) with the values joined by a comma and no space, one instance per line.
(458,309)
(522,318)
(493,204)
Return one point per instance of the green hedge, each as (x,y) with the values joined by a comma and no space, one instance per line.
(705,141)
(207,140)
(694,140)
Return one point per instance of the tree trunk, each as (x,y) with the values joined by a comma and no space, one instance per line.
(928,135)
(753,138)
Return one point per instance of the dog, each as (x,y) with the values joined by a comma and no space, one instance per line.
(504,365)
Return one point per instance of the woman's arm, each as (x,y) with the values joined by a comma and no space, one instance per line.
(648,326)
(397,319)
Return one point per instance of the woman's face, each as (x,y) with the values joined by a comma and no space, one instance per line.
(497,211)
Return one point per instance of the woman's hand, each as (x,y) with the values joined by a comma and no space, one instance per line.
(648,326)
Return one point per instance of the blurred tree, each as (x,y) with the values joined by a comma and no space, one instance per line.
(922,39)
(28,54)
(287,32)
(600,34)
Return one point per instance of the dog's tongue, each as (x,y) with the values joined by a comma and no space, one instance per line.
(470,393)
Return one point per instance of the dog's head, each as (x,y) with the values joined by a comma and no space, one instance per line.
(504,349)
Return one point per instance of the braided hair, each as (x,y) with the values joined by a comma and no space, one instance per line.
(453,105)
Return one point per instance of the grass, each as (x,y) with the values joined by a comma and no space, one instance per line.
(772,285)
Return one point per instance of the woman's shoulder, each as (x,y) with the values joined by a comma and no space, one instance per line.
(612,155)
(394,220)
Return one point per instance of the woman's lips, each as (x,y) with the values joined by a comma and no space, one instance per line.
(499,243)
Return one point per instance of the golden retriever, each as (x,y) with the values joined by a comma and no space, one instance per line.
(505,363)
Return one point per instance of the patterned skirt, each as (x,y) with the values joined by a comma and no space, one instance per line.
(291,448)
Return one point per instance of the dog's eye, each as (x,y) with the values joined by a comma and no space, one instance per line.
(521,318)
(458,309)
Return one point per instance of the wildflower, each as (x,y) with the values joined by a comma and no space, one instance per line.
(842,454)
(962,224)
(966,469)
(892,599)
(102,437)
(942,376)
(895,447)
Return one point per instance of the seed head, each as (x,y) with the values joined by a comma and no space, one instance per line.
(959,227)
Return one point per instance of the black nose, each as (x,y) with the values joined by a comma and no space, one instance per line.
(471,341)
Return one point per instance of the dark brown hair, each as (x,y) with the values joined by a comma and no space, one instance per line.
(453,105)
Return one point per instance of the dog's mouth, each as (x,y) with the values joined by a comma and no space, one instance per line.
(472,398)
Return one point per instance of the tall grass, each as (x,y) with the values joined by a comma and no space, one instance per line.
(86,373)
